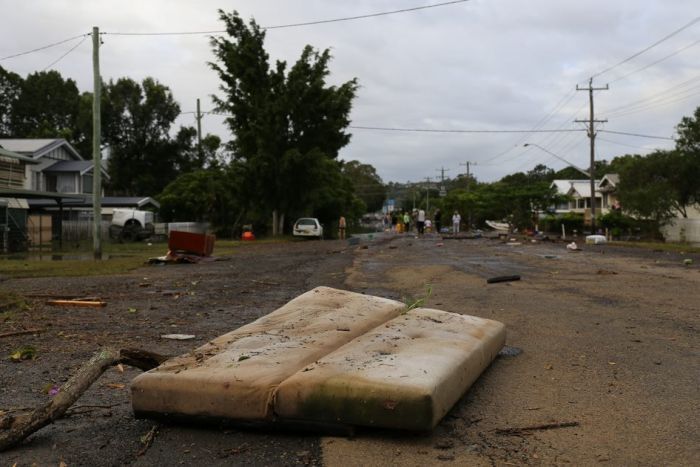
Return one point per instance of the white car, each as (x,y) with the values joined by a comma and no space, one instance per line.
(308,227)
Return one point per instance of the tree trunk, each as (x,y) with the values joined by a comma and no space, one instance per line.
(16,428)
(274,222)
(280,230)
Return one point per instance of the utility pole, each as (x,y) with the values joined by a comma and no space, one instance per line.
(467,164)
(199,131)
(442,171)
(469,175)
(96,153)
(591,135)
(427,191)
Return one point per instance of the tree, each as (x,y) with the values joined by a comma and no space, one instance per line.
(47,107)
(366,183)
(287,125)
(143,158)
(10,90)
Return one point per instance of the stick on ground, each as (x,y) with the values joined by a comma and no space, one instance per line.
(16,428)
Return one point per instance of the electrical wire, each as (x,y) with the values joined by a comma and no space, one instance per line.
(646,49)
(44,47)
(431,130)
(636,134)
(656,62)
(294,25)
(65,54)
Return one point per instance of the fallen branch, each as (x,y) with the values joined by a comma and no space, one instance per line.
(264,282)
(525,429)
(16,428)
(147,440)
(19,333)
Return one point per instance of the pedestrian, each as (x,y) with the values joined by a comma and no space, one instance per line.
(407,222)
(438,221)
(456,219)
(341,228)
(420,222)
(386,222)
(394,221)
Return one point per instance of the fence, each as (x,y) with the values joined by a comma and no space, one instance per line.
(75,231)
(682,230)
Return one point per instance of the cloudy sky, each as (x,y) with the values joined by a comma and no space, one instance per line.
(474,65)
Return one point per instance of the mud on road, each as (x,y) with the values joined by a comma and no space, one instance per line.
(605,338)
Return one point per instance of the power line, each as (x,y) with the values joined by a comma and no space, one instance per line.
(44,47)
(65,54)
(294,25)
(636,134)
(646,49)
(656,62)
(430,130)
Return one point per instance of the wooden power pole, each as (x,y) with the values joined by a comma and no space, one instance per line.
(96,153)
(199,130)
(591,135)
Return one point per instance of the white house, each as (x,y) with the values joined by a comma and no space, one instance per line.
(579,193)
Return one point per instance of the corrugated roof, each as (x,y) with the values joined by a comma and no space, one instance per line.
(70,166)
(26,146)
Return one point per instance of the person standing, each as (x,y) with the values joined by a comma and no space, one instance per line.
(437,220)
(456,220)
(407,222)
(420,222)
(341,227)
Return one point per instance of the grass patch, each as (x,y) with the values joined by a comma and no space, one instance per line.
(671,247)
(10,304)
(76,260)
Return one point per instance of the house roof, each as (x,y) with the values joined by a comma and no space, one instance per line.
(610,179)
(11,156)
(582,188)
(36,148)
(82,167)
(85,200)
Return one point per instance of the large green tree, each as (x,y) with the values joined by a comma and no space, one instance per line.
(10,90)
(47,107)
(288,124)
(143,157)
(366,183)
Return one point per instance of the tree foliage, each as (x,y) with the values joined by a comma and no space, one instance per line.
(10,91)
(366,183)
(288,125)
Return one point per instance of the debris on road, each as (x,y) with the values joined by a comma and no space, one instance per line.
(494,280)
(526,429)
(80,303)
(178,337)
(573,247)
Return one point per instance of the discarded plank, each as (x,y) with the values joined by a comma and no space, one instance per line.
(493,280)
(523,430)
(16,428)
(19,333)
(265,282)
(80,303)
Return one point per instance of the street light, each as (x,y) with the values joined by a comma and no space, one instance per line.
(587,174)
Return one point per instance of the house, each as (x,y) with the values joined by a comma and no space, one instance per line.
(44,182)
(579,194)
(57,167)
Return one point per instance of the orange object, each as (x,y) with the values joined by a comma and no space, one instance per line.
(248,236)
(194,243)
(76,303)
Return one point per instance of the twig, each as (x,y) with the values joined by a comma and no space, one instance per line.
(147,440)
(264,282)
(19,333)
(523,430)
(17,428)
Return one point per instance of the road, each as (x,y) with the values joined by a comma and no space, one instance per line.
(605,339)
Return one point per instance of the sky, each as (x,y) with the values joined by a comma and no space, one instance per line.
(496,65)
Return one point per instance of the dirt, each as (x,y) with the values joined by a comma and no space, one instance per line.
(608,338)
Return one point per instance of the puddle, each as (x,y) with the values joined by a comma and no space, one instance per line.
(56,257)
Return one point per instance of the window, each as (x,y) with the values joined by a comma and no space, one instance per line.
(87,183)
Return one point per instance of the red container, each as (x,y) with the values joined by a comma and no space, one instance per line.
(193,243)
